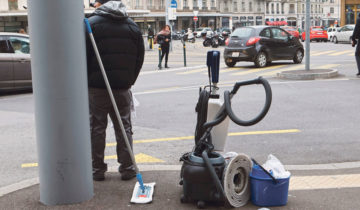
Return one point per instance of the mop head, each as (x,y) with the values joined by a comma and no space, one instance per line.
(140,196)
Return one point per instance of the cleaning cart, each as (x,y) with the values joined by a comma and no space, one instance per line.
(206,176)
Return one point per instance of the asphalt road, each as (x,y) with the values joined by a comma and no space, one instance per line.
(309,122)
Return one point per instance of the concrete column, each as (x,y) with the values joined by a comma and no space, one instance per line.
(58,64)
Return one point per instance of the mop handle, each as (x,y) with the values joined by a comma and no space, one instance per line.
(111,94)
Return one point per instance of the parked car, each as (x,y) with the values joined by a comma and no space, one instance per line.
(203,32)
(15,69)
(317,33)
(262,45)
(198,32)
(331,31)
(291,30)
(344,34)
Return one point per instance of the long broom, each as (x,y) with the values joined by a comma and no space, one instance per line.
(142,192)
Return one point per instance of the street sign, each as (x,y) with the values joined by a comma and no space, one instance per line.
(172,13)
(173,4)
(195,18)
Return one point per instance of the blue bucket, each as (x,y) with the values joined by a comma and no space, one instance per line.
(265,191)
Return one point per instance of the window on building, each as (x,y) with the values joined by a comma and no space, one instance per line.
(267,8)
(250,7)
(195,4)
(185,3)
(13,4)
(312,9)
(291,8)
(243,6)
(277,9)
(212,3)
(332,1)
(303,8)
(258,7)
(204,3)
(272,9)
(235,7)
(282,8)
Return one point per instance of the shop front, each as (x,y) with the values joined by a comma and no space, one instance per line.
(349,11)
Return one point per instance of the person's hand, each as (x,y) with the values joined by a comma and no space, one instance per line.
(166,40)
(353,43)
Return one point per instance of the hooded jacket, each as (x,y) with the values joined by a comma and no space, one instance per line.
(120,45)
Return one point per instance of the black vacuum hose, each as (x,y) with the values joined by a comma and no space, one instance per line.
(261,115)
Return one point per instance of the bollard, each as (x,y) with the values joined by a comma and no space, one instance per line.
(159,48)
(184,50)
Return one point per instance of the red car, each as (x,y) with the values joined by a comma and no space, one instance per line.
(316,33)
(291,30)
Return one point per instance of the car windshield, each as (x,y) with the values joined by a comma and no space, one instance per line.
(289,29)
(317,29)
(242,32)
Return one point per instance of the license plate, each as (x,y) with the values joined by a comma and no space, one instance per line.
(235,54)
(319,33)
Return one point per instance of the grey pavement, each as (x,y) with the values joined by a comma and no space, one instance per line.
(115,194)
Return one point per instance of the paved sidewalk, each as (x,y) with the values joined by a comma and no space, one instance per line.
(115,194)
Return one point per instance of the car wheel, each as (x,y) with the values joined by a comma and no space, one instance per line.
(260,60)
(325,40)
(298,57)
(193,40)
(335,40)
(230,64)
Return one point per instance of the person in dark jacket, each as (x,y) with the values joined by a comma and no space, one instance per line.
(355,36)
(164,39)
(150,37)
(121,48)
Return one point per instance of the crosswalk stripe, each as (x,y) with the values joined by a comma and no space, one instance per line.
(351,54)
(340,53)
(322,53)
(294,67)
(250,71)
(192,71)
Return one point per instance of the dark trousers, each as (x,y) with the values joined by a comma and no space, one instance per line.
(165,52)
(100,108)
(357,56)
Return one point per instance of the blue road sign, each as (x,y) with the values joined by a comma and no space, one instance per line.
(173,4)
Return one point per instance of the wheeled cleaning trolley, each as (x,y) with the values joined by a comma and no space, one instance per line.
(206,176)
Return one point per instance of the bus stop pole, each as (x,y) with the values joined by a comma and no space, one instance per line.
(58,65)
(307,36)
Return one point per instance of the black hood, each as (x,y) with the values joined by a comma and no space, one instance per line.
(112,9)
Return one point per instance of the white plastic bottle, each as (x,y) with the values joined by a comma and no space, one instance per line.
(220,132)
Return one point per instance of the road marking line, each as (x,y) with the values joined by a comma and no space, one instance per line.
(324,182)
(139,158)
(351,54)
(327,66)
(192,71)
(322,53)
(342,52)
(192,137)
(295,67)
(160,90)
(258,70)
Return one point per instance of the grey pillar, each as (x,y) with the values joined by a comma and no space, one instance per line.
(307,43)
(61,100)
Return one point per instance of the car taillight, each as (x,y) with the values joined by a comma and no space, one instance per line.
(227,42)
(325,32)
(312,32)
(252,41)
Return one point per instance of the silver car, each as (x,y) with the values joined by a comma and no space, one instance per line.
(15,69)
(344,34)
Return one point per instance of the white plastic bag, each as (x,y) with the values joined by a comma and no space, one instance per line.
(134,103)
(274,166)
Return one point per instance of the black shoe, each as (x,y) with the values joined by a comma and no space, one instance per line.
(159,67)
(99,177)
(166,66)
(127,175)
(358,74)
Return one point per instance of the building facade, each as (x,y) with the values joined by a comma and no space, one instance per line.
(322,12)
(349,10)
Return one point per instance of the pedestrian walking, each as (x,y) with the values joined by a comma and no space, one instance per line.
(150,37)
(121,47)
(355,37)
(163,38)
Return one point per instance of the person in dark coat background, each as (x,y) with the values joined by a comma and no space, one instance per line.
(164,39)
(355,37)
(121,48)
